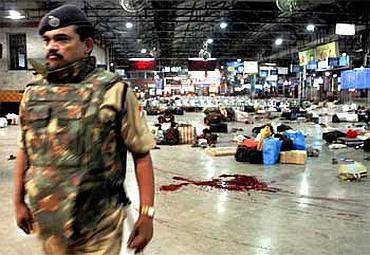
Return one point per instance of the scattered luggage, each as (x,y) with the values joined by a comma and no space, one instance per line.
(249,108)
(187,133)
(222,151)
(213,118)
(298,139)
(332,136)
(218,127)
(172,136)
(367,145)
(352,171)
(271,151)
(282,128)
(293,157)
(351,133)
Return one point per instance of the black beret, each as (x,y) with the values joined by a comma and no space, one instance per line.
(63,16)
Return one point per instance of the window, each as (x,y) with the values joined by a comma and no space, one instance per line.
(17,52)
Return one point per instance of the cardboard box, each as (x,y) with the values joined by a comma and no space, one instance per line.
(293,157)
(221,151)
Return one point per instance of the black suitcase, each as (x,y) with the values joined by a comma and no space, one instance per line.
(218,127)
(249,108)
(367,145)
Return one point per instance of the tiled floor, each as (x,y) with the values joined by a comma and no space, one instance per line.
(314,213)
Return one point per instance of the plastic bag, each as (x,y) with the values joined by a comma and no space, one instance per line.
(298,139)
(271,151)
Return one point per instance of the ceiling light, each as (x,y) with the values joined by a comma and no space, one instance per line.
(278,41)
(143,51)
(310,27)
(210,41)
(223,25)
(15,15)
(129,25)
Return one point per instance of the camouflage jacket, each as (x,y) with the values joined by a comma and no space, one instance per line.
(76,161)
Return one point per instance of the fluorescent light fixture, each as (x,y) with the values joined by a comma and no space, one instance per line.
(278,41)
(269,64)
(15,15)
(129,25)
(141,59)
(345,29)
(210,41)
(310,27)
(143,51)
(223,25)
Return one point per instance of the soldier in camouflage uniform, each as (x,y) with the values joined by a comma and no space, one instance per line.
(77,123)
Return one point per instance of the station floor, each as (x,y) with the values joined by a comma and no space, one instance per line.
(313,212)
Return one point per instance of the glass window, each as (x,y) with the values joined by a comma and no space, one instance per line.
(17,52)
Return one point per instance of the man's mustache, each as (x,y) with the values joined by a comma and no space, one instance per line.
(54,54)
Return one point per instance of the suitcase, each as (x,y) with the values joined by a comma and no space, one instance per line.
(367,145)
(249,108)
(218,128)
(350,141)
(187,134)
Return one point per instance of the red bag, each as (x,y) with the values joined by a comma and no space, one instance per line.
(250,143)
(351,133)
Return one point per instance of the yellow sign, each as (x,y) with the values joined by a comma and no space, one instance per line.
(306,56)
(327,50)
(320,53)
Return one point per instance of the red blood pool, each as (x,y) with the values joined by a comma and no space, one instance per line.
(235,182)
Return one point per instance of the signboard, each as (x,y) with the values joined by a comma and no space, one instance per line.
(202,65)
(282,70)
(234,67)
(172,69)
(327,50)
(312,65)
(345,29)
(143,64)
(321,52)
(306,56)
(250,67)
(323,64)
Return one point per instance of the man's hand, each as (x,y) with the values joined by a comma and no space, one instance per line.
(23,217)
(141,234)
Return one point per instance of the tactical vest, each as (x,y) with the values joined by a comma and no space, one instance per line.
(76,161)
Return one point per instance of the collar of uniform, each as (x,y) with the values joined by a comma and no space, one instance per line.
(73,73)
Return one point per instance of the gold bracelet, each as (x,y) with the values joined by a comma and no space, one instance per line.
(147,210)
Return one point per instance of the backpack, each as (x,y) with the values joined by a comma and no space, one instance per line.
(172,136)
(242,154)
(287,144)
(213,118)
(255,157)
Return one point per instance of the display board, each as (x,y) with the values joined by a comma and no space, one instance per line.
(356,79)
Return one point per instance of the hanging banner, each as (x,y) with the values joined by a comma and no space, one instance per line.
(327,50)
(306,56)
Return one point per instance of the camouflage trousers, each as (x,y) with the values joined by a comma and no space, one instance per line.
(106,240)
